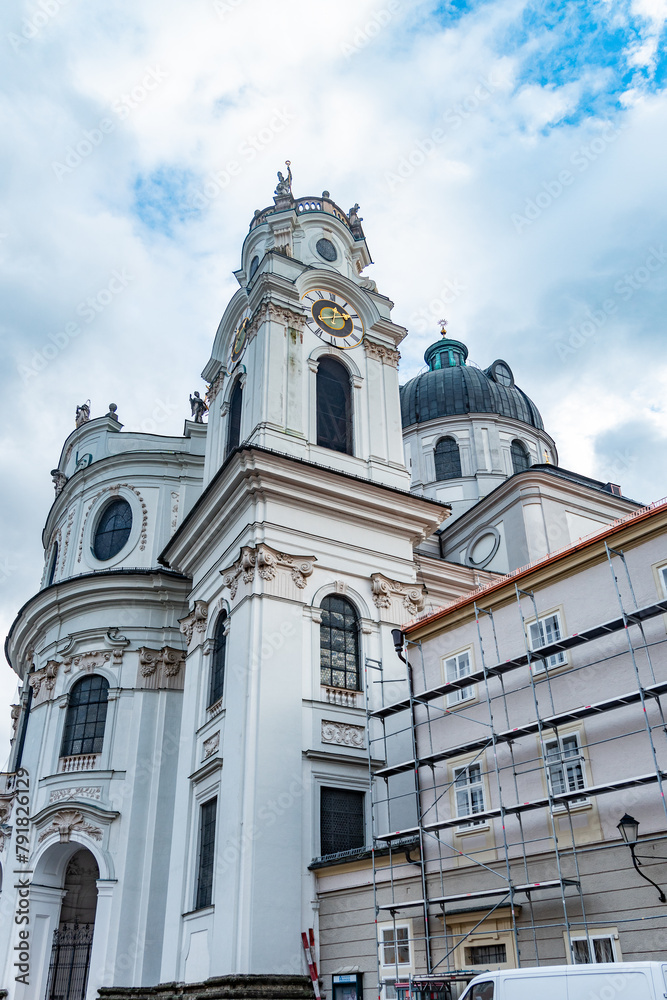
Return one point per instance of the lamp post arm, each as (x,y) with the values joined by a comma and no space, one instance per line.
(661,895)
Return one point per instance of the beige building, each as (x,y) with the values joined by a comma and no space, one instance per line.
(535,712)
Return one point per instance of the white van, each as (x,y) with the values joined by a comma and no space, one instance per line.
(603,981)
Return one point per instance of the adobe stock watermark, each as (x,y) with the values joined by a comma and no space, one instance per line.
(88,309)
(32,26)
(218,181)
(552,190)
(23,873)
(366,32)
(452,119)
(428,316)
(625,288)
(122,107)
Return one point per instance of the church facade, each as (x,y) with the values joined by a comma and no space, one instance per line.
(215,621)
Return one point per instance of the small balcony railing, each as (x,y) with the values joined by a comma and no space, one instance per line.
(82,762)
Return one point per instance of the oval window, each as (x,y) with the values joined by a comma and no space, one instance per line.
(113,530)
(326,249)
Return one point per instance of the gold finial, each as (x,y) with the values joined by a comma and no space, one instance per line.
(443,327)
(288,164)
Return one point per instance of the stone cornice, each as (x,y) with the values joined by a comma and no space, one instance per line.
(107,594)
(254,474)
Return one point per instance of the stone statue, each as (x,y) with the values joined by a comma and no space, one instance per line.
(198,407)
(353,215)
(83,413)
(284,186)
(59,480)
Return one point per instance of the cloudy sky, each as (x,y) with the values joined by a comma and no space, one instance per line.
(508,157)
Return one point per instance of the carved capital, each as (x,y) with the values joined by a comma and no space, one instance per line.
(160,668)
(382,353)
(216,386)
(43,681)
(193,626)
(406,599)
(267,563)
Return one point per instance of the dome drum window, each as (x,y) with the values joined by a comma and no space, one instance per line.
(520,457)
(112,530)
(447,459)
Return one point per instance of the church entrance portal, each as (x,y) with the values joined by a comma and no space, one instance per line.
(73,938)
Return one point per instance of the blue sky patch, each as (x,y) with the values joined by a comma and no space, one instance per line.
(163,198)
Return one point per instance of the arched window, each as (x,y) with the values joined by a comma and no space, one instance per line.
(86,717)
(217,681)
(520,456)
(234,417)
(447,459)
(334,406)
(52,565)
(113,529)
(339,644)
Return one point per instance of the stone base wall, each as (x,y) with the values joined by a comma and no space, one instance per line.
(219,988)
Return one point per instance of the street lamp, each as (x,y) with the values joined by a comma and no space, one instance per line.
(629,830)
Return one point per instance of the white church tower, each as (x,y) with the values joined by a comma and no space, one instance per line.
(197,662)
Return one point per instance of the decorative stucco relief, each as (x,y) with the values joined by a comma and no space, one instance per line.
(93,792)
(66,822)
(115,489)
(93,660)
(193,626)
(216,386)
(43,681)
(402,600)
(175,500)
(343,734)
(211,745)
(270,565)
(160,668)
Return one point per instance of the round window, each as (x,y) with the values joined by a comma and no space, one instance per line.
(326,249)
(502,374)
(113,530)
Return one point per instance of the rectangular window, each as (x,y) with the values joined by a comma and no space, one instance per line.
(395,946)
(488,954)
(663,579)
(541,633)
(206,855)
(469,789)
(341,820)
(456,667)
(565,765)
(592,950)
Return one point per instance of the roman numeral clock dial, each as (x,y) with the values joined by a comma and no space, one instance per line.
(332,319)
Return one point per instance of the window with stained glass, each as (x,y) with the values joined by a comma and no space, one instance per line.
(339,644)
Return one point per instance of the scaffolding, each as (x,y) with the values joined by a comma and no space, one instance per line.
(416,881)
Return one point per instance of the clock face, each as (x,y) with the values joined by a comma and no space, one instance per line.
(239,339)
(332,319)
